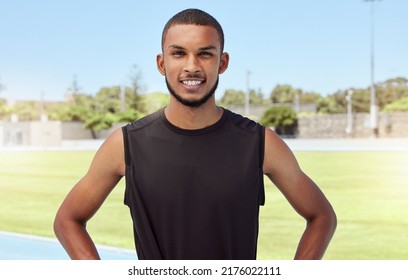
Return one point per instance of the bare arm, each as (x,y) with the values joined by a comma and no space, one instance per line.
(105,171)
(303,194)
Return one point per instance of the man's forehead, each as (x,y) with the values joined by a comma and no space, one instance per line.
(188,32)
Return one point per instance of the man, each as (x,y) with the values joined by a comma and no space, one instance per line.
(194,171)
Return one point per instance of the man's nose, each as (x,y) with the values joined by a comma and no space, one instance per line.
(192,64)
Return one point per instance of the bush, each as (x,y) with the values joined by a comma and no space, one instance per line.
(397,106)
(282,118)
(128,116)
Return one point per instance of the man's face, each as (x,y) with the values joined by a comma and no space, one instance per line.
(191,62)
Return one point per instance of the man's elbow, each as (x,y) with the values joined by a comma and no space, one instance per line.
(330,219)
(58,226)
(325,219)
(63,224)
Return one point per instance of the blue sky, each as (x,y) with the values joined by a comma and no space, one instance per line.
(321,45)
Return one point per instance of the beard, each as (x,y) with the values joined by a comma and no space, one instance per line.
(192,103)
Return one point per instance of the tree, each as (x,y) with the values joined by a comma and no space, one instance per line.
(106,109)
(397,106)
(336,103)
(108,100)
(233,97)
(98,121)
(154,101)
(79,106)
(288,94)
(82,107)
(360,100)
(237,98)
(128,116)
(309,97)
(284,94)
(256,97)
(397,81)
(133,96)
(324,105)
(282,118)
(75,88)
(26,110)
(4,109)
(391,91)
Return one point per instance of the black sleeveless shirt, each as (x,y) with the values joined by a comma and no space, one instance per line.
(194,194)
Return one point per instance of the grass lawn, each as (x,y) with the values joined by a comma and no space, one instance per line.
(369,191)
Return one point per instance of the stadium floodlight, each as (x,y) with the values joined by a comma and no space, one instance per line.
(373,106)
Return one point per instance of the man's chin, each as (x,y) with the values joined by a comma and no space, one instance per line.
(192,101)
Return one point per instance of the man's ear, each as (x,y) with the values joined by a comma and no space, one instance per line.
(223,63)
(160,64)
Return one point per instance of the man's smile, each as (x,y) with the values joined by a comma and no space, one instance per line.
(192,83)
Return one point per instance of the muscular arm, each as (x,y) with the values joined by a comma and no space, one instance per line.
(303,194)
(87,196)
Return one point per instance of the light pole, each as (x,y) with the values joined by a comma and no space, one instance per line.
(297,103)
(373,106)
(43,116)
(349,127)
(248,73)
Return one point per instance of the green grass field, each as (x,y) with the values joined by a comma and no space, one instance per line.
(369,191)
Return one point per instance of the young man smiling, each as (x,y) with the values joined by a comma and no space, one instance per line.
(194,171)
(191,62)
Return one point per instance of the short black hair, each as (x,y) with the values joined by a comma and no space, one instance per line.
(194,17)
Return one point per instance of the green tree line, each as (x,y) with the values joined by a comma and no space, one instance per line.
(117,104)
(391,95)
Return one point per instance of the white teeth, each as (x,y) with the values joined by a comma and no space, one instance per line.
(192,83)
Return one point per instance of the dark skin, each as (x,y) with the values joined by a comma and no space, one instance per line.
(191,61)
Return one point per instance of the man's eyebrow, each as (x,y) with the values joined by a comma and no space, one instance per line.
(206,48)
(176,47)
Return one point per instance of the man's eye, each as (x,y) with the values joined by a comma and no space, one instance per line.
(206,54)
(178,53)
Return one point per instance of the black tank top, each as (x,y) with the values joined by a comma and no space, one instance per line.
(194,194)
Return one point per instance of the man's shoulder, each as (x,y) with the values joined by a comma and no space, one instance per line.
(144,121)
(242,122)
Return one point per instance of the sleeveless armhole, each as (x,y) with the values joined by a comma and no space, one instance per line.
(126,200)
(261,160)
(126,145)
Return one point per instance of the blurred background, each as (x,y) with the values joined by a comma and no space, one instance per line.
(323,69)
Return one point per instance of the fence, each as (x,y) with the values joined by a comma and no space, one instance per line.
(53,133)
(390,125)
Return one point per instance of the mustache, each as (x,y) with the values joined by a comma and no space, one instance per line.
(193,76)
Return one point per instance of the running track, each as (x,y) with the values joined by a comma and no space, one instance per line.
(15,246)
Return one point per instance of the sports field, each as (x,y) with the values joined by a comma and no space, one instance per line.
(369,191)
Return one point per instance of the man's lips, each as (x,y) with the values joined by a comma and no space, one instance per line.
(192,83)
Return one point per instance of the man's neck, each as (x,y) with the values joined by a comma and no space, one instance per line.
(193,118)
